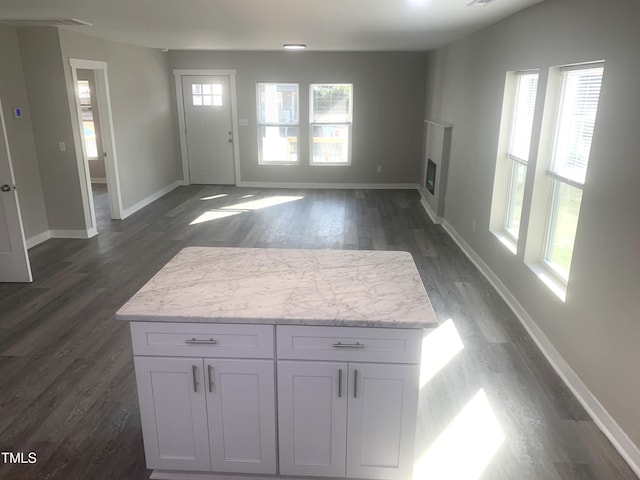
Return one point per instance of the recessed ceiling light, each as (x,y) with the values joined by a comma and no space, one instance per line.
(294,46)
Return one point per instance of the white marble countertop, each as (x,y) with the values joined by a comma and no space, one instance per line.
(275,286)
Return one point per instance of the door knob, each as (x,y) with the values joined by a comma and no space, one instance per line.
(5,188)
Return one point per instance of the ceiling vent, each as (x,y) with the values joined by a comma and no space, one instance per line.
(479,3)
(43,22)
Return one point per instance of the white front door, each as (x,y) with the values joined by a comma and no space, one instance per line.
(209,132)
(14,261)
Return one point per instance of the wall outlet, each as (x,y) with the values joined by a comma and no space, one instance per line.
(473,226)
(62,147)
(379,169)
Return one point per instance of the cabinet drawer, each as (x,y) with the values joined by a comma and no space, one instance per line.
(202,340)
(388,345)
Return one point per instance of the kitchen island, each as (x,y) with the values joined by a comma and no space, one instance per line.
(279,362)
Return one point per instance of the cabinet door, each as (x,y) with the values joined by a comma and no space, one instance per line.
(312,415)
(383,400)
(173,412)
(242,415)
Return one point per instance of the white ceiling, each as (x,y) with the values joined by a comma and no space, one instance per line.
(356,25)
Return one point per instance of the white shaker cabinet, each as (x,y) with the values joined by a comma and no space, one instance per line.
(206,414)
(173,413)
(381,420)
(347,419)
(312,418)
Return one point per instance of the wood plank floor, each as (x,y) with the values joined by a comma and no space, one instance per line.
(491,407)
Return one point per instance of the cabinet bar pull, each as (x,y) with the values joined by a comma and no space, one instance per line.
(339,382)
(210,369)
(194,340)
(355,383)
(348,345)
(194,371)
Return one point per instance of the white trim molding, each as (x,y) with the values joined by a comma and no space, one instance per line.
(82,234)
(349,186)
(423,201)
(38,239)
(99,180)
(620,440)
(151,198)
(178,74)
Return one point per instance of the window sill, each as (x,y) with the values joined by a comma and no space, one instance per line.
(507,241)
(320,164)
(269,164)
(550,280)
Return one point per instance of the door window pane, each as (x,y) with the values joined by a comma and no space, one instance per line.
(206,94)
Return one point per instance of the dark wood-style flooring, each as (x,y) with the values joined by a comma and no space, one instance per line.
(493,409)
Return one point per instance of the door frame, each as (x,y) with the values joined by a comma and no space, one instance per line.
(6,150)
(178,74)
(103,97)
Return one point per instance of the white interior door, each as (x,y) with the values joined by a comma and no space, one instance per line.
(14,261)
(209,132)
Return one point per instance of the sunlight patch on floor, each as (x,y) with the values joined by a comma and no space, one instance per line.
(212,215)
(438,348)
(465,448)
(229,210)
(262,203)
(212,197)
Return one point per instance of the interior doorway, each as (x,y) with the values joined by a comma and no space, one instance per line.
(97,161)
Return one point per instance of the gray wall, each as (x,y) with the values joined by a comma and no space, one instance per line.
(387,116)
(51,118)
(597,330)
(143,112)
(20,133)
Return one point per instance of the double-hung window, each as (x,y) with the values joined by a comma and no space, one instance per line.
(278,123)
(518,149)
(330,113)
(574,125)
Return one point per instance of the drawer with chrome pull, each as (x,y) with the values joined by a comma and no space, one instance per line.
(385,345)
(202,340)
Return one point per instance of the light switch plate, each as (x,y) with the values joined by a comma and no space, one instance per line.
(17,112)
(62,146)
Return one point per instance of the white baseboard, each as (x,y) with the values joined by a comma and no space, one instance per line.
(349,186)
(38,239)
(151,198)
(73,233)
(423,201)
(620,440)
(99,180)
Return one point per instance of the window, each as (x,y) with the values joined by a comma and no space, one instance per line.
(330,113)
(206,94)
(574,125)
(518,151)
(278,123)
(88,124)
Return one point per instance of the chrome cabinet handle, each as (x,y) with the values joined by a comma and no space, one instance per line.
(355,383)
(339,382)
(349,345)
(194,340)
(210,369)
(194,371)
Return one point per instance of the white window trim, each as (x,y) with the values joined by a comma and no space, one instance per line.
(547,183)
(349,125)
(506,162)
(259,124)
